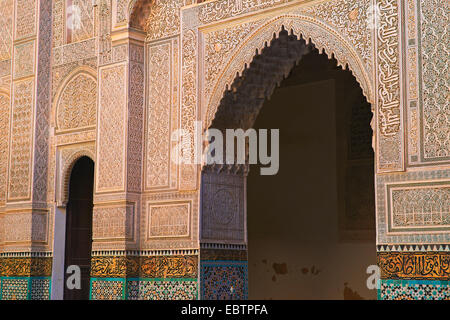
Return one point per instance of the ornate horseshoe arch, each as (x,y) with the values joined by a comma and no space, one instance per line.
(318,33)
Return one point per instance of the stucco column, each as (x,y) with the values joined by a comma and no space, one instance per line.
(119,158)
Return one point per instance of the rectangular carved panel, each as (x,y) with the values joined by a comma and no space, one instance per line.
(24,59)
(113,223)
(25,227)
(169,220)
(418,206)
(162,115)
(111,129)
(435,79)
(25,18)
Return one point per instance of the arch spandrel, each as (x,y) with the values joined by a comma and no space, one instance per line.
(75,104)
(324,38)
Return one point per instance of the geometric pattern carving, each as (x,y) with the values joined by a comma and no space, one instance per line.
(77,103)
(418,205)
(168,220)
(111,130)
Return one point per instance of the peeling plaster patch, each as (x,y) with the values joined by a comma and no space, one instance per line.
(280,268)
(349,294)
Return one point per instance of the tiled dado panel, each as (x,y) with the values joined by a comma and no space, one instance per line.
(414,290)
(413,207)
(143,289)
(25,288)
(223,280)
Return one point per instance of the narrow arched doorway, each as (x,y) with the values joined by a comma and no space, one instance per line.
(79,226)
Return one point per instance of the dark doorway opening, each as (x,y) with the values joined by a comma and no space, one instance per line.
(79,226)
(311,227)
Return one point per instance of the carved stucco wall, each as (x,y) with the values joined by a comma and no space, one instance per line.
(173,71)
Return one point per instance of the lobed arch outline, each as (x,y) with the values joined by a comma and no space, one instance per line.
(82,70)
(325,39)
(67,171)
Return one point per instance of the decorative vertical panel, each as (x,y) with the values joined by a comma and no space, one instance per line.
(135,118)
(188,174)
(111,129)
(21,140)
(4,133)
(58,27)
(434,80)
(161,114)
(6,21)
(389,87)
(43,100)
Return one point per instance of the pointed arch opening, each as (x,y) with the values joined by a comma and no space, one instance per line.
(317,214)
